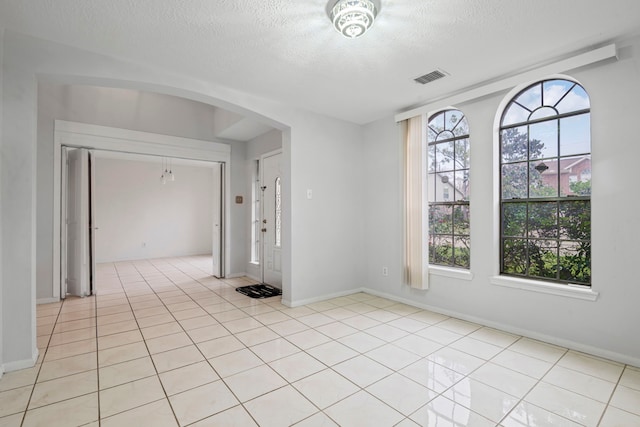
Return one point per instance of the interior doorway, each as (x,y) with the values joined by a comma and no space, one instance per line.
(79,145)
(129,181)
(271,226)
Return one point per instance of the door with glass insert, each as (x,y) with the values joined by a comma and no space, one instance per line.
(271,230)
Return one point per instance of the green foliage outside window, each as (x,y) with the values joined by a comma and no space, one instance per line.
(448,189)
(546,217)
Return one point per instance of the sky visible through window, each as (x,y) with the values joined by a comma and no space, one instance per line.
(545,149)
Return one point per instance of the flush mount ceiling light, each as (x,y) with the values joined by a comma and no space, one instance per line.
(352,18)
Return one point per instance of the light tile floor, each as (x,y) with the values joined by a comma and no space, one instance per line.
(164,343)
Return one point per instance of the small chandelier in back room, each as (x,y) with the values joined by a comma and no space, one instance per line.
(352,18)
(167,173)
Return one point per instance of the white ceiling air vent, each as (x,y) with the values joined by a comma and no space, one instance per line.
(429,77)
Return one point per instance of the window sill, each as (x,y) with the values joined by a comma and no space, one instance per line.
(545,288)
(454,273)
(256,263)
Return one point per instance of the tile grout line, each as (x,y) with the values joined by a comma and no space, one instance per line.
(384,343)
(122,284)
(390,342)
(119,363)
(538,381)
(247,348)
(26,409)
(541,380)
(240,403)
(41,366)
(184,268)
(193,343)
(611,396)
(441,394)
(288,383)
(364,354)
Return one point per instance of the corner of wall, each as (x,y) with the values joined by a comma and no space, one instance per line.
(29,362)
(18,200)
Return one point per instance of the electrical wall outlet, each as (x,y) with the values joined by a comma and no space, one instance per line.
(385,271)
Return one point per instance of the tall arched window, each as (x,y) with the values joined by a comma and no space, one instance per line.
(545,182)
(448,189)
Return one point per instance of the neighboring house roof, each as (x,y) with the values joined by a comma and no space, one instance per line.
(566,164)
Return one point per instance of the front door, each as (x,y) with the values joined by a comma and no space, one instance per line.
(272,220)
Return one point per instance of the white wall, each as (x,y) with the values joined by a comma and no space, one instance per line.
(119,108)
(238,211)
(327,252)
(607,326)
(1,149)
(17,186)
(139,217)
(383,199)
(265,143)
(322,237)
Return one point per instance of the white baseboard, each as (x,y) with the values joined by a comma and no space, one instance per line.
(22,364)
(47,300)
(596,351)
(143,257)
(234,275)
(298,303)
(252,277)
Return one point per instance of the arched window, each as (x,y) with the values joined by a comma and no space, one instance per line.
(545,184)
(448,189)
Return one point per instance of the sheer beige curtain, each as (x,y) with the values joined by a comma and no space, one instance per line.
(415,230)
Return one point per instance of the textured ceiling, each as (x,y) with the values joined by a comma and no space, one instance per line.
(288,51)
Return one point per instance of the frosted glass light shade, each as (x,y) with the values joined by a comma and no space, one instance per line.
(352,18)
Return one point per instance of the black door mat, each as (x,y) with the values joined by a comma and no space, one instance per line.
(259,291)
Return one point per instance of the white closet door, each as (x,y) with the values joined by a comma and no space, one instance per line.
(217,250)
(77,223)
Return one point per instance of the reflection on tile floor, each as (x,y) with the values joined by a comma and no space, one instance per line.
(164,343)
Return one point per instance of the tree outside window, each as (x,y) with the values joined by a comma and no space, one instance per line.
(545,158)
(448,189)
